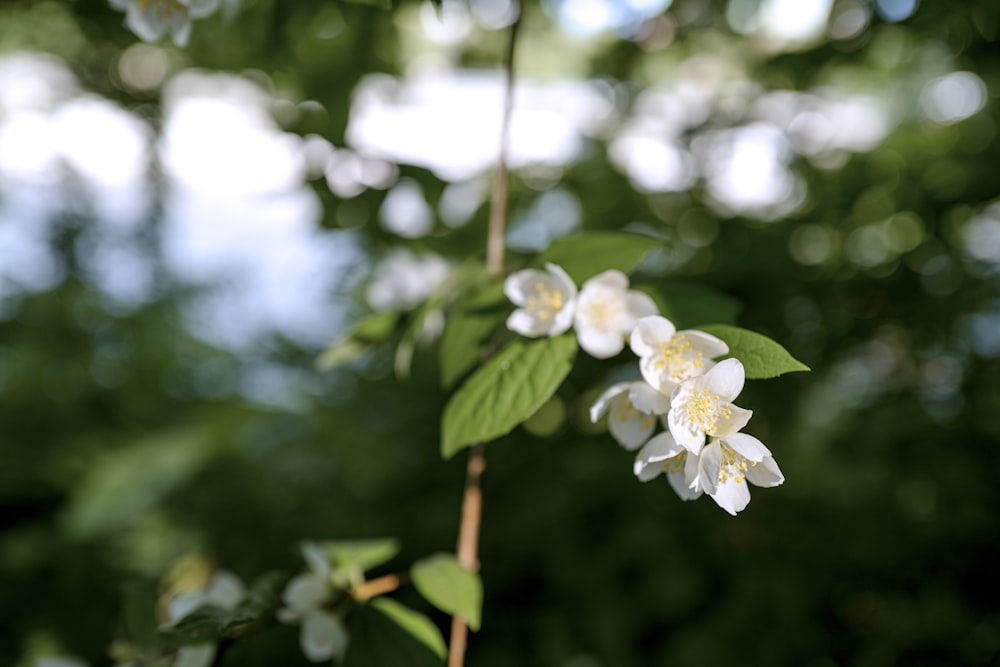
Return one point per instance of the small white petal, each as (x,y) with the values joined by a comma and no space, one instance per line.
(521,322)
(707,344)
(600,344)
(649,461)
(687,435)
(685,485)
(201,8)
(603,402)
(226,590)
(143,24)
(647,399)
(651,332)
(317,559)
(628,426)
(765,473)
(520,284)
(639,305)
(612,279)
(565,283)
(737,419)
(732,496)
(323,636)
(726,379)
(304,593)
(199,655)
(747,446)
(563,319)
(709,465)
(183,604)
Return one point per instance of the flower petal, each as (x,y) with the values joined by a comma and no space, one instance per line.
(323,636)
(520,284)
(317,558)
(765,473)
(684,484)
(731,421)
(612,279)
(746,445)
(564,282)
(707,344)
(304,593)
(651,332)
(201,8)
(647,399)
(649,462)
(600,344)
(709,465)
(603,401)
(726,379)
(639,305)
(226,590)
(521,322)
(732,495)
(628,426)
(563,319)
(687,435)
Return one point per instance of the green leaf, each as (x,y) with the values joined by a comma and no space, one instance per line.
(762,357)
(140,616)
(688,305)
(363,554)
(488,297)
(417,624)
(462,343)
(585,255)
(381,4)
(386,634)
(506,391)
(449,587)
(374,328)
(212,623)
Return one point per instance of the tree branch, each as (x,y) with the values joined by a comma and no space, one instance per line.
(472,500)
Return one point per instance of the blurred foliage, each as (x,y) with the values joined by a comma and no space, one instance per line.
(126,450)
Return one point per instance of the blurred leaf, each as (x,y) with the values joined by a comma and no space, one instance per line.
(689,305)
(488,297)
(462,343)
(374,328)
(761,357)
(450,587)
(140,616)
(363,554)
(125,484)
(506,391)
(210,622)
(381,4)
(585,255)
(417,624)
(386,634)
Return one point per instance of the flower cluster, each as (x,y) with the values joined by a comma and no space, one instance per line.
(603,312)
(306,596)
(151,19)
(703,449)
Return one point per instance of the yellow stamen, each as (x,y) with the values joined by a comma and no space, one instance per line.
(706,409)
(679,358)
(545,302)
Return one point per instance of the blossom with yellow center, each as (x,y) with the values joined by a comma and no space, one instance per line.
(632,409)
(546,300)
(607,310)
(702,406)
(151,19)
(662,455)
(667,357)
(728,463)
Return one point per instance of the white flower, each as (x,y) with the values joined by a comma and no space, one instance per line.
(546,301)
(662,454)
(730,461)
(150,19)
(667,357)
(721,469)
(607,311)
(633,407)
(226,591)
(702,406)
(323,635)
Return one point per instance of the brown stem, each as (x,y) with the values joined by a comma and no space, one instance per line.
(377,586)
(467,550)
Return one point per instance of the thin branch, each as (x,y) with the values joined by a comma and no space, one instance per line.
(378,586)
(472,500)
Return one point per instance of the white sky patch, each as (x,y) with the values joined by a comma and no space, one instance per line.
(791,23)
(590,16)
(450,122)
